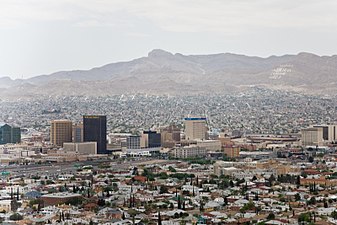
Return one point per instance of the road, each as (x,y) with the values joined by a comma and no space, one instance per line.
(54,169)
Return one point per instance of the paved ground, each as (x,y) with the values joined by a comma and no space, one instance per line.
(70,167)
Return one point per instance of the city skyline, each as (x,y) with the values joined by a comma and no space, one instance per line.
(168,112)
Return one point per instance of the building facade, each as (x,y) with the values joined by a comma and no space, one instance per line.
(150,139)
(170,136)
(9,134)
(94,129)
(329,132)
(133,142)
(78,133)
(60,132)
(82,148)
(195,128)
(312,136)
(191,151)
(231,151)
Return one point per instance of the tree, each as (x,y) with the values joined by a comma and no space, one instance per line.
(172,170)
(101,202)
(256,197)
(249,206)
(271,216)
(163,176)
(201,206)
(225,200)
(16,217)
(115,187)
(311,159)
(334,214)
(179,203)
(74,201)
(312,201)
(231,183)
(159,218)
(271,180)
(298,180)
(297,197)
(163,189)
(304,217)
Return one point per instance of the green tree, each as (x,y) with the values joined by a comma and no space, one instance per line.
(172,170)
(16,217)
(297,197)
(271,216)
(312,201)
(311,159)
(163,189)
(304,217)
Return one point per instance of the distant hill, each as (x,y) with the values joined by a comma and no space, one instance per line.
(162,72)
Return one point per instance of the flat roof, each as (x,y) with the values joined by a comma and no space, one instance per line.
(61,195)
(195,118)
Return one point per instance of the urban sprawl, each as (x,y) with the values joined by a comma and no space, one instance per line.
(258,157)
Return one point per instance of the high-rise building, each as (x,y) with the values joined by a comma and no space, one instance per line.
(329,132)
(94,129)
(133,142)
(195,128)
(78,133)
(150,139)
(9,134)
(60,132)
(5,133)
(332,133)
(170,136)
(312,136)
(16,135)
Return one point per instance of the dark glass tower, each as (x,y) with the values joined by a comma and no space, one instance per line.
(94,129)
(154,139)
(9,134)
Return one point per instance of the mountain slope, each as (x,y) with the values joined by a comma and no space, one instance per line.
(163,72)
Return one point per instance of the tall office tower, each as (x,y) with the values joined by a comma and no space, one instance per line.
(94,129)
(5,133)
(150,139)
(16,135)
(78,133)
(329,132)
(9,134)
(170,136)
(312,136)
(133,142)
(332,133)
(195,128)
(60,132)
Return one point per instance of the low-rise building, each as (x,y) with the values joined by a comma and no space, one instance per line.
(191,151)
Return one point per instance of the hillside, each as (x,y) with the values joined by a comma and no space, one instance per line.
(162,72)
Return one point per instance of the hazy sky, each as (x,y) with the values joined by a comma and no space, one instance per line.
(44,36)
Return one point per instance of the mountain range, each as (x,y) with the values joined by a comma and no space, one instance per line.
(162,72)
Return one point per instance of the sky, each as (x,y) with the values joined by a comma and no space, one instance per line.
(44,36)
